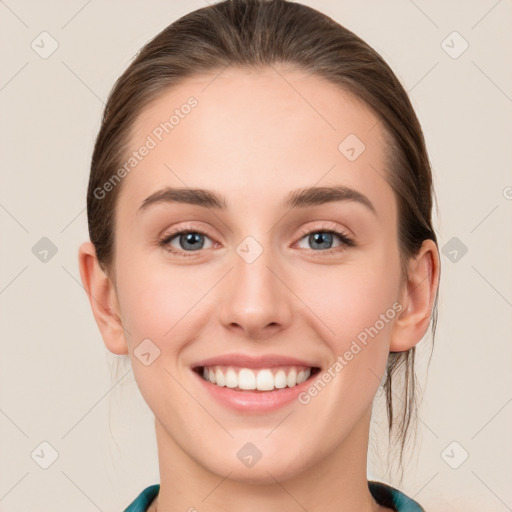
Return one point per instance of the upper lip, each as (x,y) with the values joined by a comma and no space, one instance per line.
(247,361)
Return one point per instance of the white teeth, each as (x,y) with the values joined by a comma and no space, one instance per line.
(264,380)
(220,380)
(291,379)
(231,378)
(246,379)
(303,375)
(280,379)
(261,380)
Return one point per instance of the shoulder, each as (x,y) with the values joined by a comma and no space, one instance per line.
(393,498)
(144,499)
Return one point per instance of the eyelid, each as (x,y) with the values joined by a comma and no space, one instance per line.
(327,226)
(188,227)
(164,240)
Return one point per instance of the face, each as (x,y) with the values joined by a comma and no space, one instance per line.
(265,281)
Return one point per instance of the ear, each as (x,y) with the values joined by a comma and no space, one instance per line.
(417,298)
(103,299)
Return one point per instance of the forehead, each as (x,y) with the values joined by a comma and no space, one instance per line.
(259,133)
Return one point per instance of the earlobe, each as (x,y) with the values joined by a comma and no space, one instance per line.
(418,297)
(103,299)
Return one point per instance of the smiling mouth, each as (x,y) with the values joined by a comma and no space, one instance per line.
(263,379)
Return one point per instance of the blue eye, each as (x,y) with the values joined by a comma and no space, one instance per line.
(323,240)
(190,241)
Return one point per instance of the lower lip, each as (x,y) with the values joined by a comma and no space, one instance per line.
(254,401)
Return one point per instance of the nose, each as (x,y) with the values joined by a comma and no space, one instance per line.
(255,298)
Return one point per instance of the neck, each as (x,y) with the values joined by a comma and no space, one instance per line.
(337,482)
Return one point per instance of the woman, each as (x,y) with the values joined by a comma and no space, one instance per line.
(259,211)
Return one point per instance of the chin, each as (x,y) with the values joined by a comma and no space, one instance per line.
(264,471)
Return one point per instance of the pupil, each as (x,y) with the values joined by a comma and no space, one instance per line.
(191,240)
(324,239)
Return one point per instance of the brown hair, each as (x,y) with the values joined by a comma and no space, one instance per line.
(255,34)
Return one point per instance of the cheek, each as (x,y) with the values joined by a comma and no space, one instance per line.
(153,300)
(352,299)
(355,307)
(157,303)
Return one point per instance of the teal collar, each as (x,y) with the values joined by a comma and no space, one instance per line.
(383,494)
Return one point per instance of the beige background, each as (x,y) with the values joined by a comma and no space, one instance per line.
(61,386)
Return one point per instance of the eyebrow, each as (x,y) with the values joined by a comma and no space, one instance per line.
(300,198)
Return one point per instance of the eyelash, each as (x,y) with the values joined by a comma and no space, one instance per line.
(345,239)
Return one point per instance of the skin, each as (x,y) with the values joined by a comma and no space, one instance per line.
(253,139)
